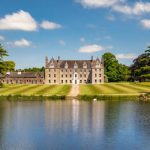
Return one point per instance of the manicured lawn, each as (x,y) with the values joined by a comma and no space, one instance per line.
(36,90)
(115,88)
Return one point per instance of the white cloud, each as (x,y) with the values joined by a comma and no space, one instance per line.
(18,21)
(22,43)
(2,38)
(138,8)
(50,25)
(82,39)
(145,23)
(91,48)
(62,43)
(97,3)
(125,56)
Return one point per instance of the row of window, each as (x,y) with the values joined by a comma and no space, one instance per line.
(22,81)
(70,70)
(85,81)
(81,75)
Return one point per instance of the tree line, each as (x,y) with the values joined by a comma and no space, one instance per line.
(138,71)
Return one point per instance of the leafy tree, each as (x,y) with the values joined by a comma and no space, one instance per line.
(140,69)
(5,65)
(3,53)
(9,65)
(113,70)
(34,69)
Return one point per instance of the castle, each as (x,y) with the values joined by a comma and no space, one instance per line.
(59,71)
(73,71)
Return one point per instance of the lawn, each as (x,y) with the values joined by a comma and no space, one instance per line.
(115,88)
(36,90)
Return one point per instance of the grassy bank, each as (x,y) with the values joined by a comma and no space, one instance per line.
(114,91)
(108,91)
(34,90)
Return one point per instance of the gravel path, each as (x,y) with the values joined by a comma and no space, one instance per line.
(74,90)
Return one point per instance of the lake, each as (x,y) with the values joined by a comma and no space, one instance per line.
(73,125)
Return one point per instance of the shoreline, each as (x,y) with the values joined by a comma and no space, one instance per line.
(78,97)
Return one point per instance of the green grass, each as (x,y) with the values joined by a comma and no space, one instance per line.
(115,89)
(35,90)
(100,91)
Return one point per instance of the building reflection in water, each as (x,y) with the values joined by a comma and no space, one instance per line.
(79,116)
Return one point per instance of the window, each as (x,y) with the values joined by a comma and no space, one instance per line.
(70,75)
(89,81)
(49,70)
(49,81)
(54,70)
(54,75)
(66,81)
(70,81)
(61,81)
(95,69)
(95,75)
(100,81)
(49,75)
(80,75)
(84,81)
(62,75)
(66,75)
(85,75)
(95,81)
(80,81)
(54,81)
(99,75)
(75,75)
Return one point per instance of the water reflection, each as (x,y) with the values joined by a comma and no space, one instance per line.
(74,125)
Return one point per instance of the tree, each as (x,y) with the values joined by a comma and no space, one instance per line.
(3,53)
(34,69)
(5,65)
(140,69)
(9,65)
(113,70)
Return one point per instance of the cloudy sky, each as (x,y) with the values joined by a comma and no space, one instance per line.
(73,29)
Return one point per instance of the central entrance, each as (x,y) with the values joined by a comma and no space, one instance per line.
(75,78)
(75,81)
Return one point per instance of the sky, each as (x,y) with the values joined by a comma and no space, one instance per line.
(73,29)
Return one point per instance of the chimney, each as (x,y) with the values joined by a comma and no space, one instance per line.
(58,59)
(46,61)
(19,72)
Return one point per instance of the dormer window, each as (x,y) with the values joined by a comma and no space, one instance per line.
(84,65)
(66,65)
(52,65)
(75,65)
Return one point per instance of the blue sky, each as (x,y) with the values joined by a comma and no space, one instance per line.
(73,29)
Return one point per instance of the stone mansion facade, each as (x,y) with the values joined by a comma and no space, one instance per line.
(59,71)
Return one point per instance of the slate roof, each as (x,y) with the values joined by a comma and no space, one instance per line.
(24,75)
(72,63)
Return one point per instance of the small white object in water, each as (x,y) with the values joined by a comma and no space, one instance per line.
(94,99)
